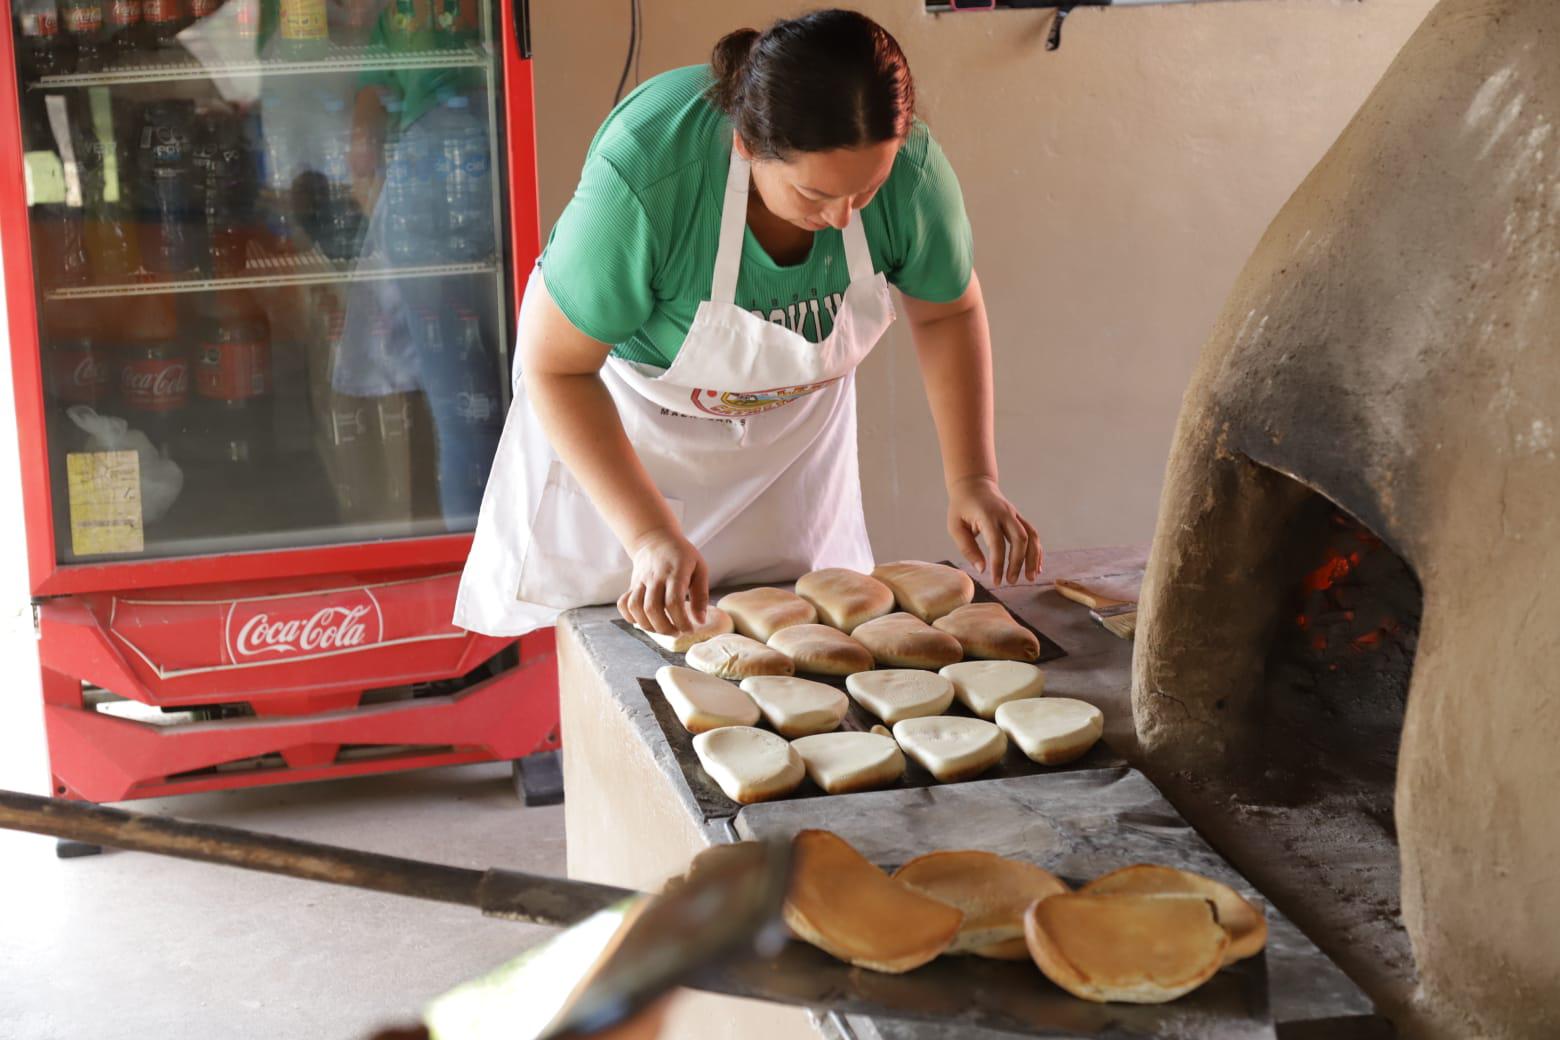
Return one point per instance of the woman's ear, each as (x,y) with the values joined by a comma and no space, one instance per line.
(740,146)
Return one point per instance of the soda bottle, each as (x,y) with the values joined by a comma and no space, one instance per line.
(84,23)
(454,22)
(233,382)
(112,256)
(477,412)
(231,185)
(466,176)
(80,371)
(203,8)
(246,21)
(302,30)
(163,19)
(409,22)
(167,189)
(411,219)
(154,374)
(122,21)
(355,23)
(38,39)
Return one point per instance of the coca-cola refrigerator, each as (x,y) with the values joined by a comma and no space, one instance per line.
(262,262)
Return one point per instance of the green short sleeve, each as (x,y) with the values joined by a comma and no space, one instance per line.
(599,264)
(937,249)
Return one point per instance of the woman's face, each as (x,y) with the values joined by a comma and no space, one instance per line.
(815,190)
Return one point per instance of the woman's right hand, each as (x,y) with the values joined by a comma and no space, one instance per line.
(670,586)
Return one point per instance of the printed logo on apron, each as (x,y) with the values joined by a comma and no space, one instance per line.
(732,404)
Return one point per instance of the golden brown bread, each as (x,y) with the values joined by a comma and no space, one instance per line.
(993,892)
(822,650)
(1134,949)
(760,613)
(903,640)
(927,590)
(847,907)
(845,598)
(988,630)
(1245,923)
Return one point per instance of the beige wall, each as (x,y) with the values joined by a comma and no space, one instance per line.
(1115,186)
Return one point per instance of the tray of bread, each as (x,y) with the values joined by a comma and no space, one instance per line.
(910,676)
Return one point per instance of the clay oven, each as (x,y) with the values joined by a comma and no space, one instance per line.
(1354,593)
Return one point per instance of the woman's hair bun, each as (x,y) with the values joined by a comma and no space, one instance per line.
(728,64)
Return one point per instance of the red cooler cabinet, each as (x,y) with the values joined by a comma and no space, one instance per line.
(262,263)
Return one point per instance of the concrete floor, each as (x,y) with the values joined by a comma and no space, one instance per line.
(126,945)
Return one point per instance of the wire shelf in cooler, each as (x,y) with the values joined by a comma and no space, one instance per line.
(335,59)
(305,269)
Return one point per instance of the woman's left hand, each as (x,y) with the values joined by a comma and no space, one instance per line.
(988,529)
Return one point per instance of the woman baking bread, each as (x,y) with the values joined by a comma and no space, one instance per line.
(688,342)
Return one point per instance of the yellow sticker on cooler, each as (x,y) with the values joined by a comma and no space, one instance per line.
(105,502)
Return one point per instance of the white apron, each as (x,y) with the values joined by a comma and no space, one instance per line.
(750,435)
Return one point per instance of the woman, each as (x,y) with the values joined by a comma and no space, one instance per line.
(690,338)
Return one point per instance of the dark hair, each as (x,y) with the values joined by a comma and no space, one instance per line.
(829,79)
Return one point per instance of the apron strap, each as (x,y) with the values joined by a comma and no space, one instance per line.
(733,225)
(858,258)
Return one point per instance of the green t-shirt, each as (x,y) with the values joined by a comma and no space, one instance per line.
(633,253)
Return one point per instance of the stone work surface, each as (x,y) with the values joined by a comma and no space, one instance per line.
(1392,345)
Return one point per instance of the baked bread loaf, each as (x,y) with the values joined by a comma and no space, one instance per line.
(951,747)
(703,702)
(716,623)
(988,630)
(750,765)
(1246,925)
(760,613)
(734,656)
(927,590)
(851,910)
(895,694)
(841,763)
(796,707)
(993,893)
(1052,730)
(903,640)
(821,650)
(1135,949)
(845,598)
(983,685)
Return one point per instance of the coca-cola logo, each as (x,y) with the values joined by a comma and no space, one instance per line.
(88,372)
(268,629)
(160,381)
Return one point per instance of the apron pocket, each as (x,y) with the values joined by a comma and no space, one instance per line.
(572,558)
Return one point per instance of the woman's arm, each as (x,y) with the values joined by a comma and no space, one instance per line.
(562,369)
(953,346)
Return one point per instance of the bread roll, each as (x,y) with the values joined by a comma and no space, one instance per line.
(1246,925)
(845,598)
(716,623)
(927,590)
(851,910)
(796,707)
(750,765)
(982,686)
(1135,949)
(844,762)
(951,747)
(988,630)
(703,702)
(732,656)
(760,613)
(821,650)
(1052,730)
(895,694)
(904,641)
(993,892)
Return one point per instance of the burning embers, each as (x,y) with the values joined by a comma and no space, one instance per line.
(1337,612)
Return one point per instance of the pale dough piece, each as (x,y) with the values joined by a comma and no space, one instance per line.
(952,747)
(992,891)
(883,731)
(1246,925)
(821,650)
(716,623)
(703,702)
(851,910)
(750,765)
(983,685)
(1135,949)
(895,694)
(905,641)
(845,598)
(796,707)
(760,613)
(927,590)
(844,762)
(736,657)
(988,630)
(1052,730)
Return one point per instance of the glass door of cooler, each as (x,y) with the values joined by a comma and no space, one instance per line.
(271,272)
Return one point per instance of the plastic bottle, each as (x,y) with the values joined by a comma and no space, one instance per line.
(163,20)
(84,24)
(154,374)
(454,22)
(408,24)
(466,176)
(411,217)
(167,191)
(122,21)
(112,253)
(203,9)
(231,188)
(340,219)
(43,49)
(232,380)
(476,405)
(302,33)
